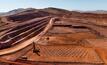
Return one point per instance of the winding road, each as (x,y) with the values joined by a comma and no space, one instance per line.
(19,43)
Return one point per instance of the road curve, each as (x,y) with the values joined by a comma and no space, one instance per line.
(23,45)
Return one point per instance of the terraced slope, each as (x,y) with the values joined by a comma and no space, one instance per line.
(67,43)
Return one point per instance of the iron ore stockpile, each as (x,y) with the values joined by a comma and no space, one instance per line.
(53,36)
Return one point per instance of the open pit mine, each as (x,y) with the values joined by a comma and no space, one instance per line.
(53,36)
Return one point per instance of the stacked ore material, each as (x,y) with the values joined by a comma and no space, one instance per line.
(22,31)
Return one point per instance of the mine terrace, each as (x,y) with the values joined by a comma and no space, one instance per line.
(53,36)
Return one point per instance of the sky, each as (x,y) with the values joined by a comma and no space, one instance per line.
(84,5)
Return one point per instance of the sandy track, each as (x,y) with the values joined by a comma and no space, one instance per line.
(28,42)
